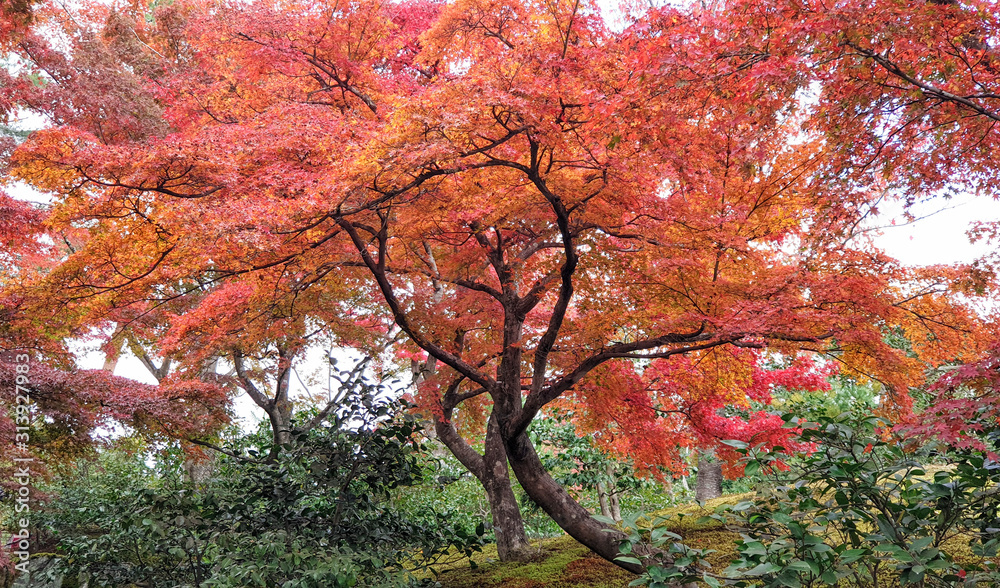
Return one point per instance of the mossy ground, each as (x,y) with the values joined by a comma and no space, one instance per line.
(561,562)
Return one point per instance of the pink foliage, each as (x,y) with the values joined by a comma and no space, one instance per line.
(967,403)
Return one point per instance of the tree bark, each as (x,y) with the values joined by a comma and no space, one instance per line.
(602,498)
(280,412)
(199,471)
(616,506)
(491,470)
(279,408)
(567,512)
(607,495)
(512,541)
(554,500)
(709,482)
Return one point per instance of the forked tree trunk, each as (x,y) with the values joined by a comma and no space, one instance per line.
(491,470)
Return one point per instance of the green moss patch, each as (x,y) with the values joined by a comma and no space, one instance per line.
(562,562)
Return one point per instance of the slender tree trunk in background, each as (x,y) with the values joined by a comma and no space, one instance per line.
(709,481)
(199,470)
(110,363)
(280,413)
(608,496)
(669,485)
(602,498)
(616,506)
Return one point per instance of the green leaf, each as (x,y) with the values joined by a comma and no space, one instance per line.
(781,517)
(803,567)
(921,543)
(761,569)
(852,555)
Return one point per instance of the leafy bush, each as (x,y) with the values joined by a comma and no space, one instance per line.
(846,395)
(857,511)
(449,490)
(316,516)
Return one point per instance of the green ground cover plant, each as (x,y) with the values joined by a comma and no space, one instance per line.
(858,511)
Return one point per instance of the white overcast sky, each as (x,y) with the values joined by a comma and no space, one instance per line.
(939,236)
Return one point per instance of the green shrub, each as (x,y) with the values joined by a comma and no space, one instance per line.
(857,511)
(318,515)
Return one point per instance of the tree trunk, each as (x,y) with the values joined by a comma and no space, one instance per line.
(709,482)
(281,415)
(508,526)
(491,470)
(199,471)
(607,495)
(554,500)
(602,498)
(616,506)
(669,485)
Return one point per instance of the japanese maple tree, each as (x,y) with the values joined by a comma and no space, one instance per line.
(540,207)
(51,409)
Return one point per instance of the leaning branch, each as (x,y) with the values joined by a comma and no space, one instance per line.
(926,88)
(377,270)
